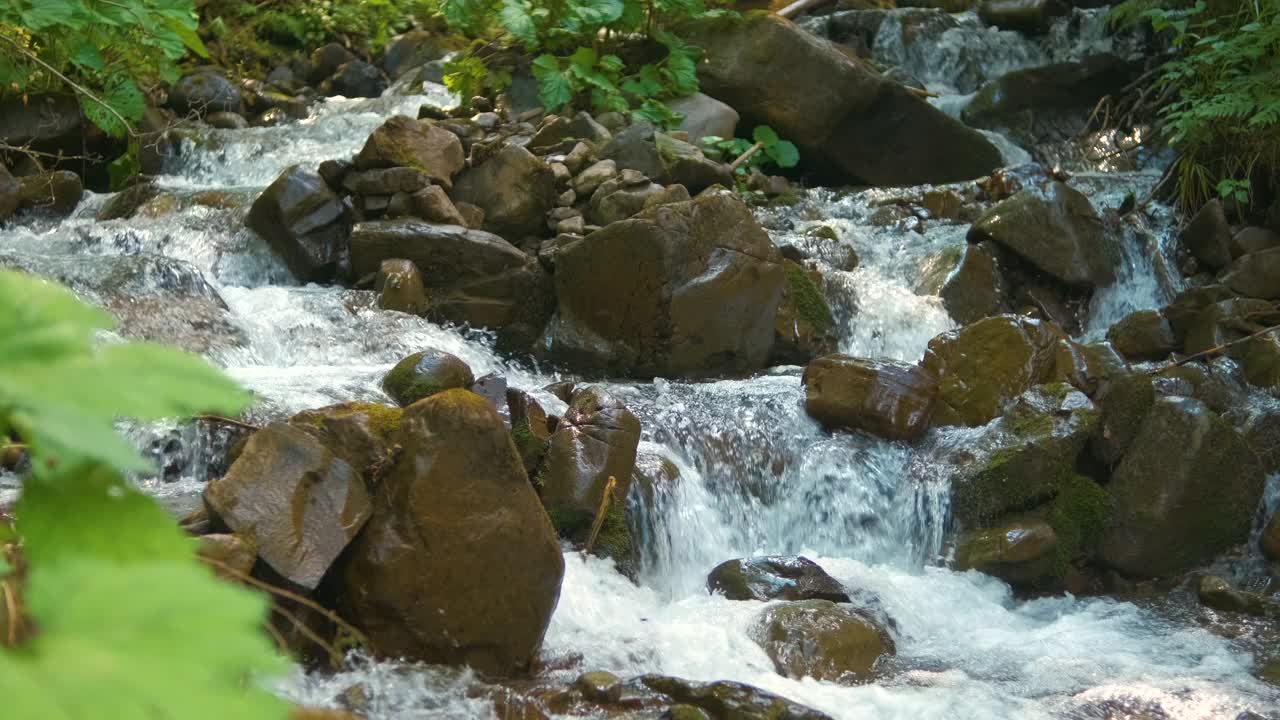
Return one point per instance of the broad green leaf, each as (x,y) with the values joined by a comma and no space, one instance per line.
(765,135)
(89,510)
(553,87)
(139,641)
(5,567)
(188,37)
(784,154)
(41,14)
(67,436)
(121,95)
(598,12)
(43,320)
(681,73)
(515,17)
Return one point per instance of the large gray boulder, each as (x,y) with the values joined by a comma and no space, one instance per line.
(847,119)
(679,290)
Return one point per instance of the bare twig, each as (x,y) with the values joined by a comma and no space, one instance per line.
(334,656)
(128,127)
(281,592)
(1214,350)
(733,166)
(601,512)
(11,613)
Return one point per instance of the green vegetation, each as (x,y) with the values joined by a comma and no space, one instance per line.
(773,150)
(1078,516)
(110,583)
(1220,104)
(606,55)
(105,52)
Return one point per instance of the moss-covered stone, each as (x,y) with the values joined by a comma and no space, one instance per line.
(1034,453)
(1020,551)
(811,305)
(822,640)
(1078,516)
(424,374)
(1125,400)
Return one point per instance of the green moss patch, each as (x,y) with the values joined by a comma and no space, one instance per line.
(1078,516)
(810,304)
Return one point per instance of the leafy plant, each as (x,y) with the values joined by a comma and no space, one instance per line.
(105,52)
(579,50)
(1222,111)
(126,619)
(772,151)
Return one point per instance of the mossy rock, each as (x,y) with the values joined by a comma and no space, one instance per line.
(1020,551)
(822,640)
(424,374)
(810,303)
(614,541)
(804,327)
(1034,452)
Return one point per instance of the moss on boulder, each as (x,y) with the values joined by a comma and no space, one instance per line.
(424,374)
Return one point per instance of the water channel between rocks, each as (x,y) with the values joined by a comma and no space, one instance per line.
(757,475)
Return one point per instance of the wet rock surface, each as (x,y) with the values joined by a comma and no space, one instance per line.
(775,578)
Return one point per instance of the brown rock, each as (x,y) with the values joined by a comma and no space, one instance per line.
(515,189)
(777,577)
(230,556)
(891,399)
(401,140)
(433,205)
(399,287)
(821,640)
(459,563)
(293,499)
(1208,236)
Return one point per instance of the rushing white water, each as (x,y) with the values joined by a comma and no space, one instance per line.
(755,474)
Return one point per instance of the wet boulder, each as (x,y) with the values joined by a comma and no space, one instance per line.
(804,327)
(682,289)
(983,367)
(704,116)
(474,277)
(821,640)
(126,203)
(459,563)
(1056,229)
(1124,401)
(1186,490)
(1143,335)
(399,286)
(968,280)
(849,122)
(297,502)
(424,374)
(1256,275)
(304,222)
(58,191)
(1023,553)
(408,51)
(775,577)
(1032,17)
(1033,453)
(515,189)
(403,141)
(204,91)
(1217,593)
(359,433)
(1208,236)
(894,400)
(1050,100)
(358,79)
(592,452)
(725,700)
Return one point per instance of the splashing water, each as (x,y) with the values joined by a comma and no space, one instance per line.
(750,472)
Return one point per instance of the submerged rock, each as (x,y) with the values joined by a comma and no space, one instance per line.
(297,502)
(1056,230)
(724,700)
(424,374)
(821,640)
(459,563)
(303,221)
(775,577)
(891,399)
(683,289)
(847,120)
(1186,490)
